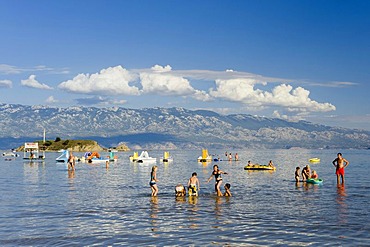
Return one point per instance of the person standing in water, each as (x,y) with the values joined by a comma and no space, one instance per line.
(193,185)
(218,179)
(71,162)
(153,181)
(340,164)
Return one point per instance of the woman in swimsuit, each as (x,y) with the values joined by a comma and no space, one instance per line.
(153,181)
(218,179)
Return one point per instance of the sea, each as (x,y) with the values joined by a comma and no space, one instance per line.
(44,204)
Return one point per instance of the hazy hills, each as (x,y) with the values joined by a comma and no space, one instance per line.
(168,128)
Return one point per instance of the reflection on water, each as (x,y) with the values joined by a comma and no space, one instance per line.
(154,213)
(342,204)
(46,205)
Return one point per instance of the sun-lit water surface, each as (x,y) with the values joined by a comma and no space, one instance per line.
(44,204)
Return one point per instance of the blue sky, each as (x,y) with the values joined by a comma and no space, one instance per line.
(289,59)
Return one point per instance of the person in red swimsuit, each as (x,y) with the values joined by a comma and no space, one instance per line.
(340,164)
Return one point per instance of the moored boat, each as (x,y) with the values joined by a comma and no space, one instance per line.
(205,156)
(260,167)
(314,160)
(145,158)
(166,157)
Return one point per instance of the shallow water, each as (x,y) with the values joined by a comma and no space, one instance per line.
(42,204)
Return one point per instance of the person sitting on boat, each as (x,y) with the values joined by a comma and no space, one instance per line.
(227,190)
(314,175)
(270,164)
(180,190)
(306,173)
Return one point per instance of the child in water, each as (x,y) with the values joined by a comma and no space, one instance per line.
(180,190)
(296,174)
(314,175)
(153,181)
(193,185)
(227,190)
(218,179)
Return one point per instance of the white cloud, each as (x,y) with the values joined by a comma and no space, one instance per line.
(229,85)
(6,83)
(158,82)
(33,83)
(110,81)
(99,100)
(51,100)
(243,91)
(10,69)
(335,84)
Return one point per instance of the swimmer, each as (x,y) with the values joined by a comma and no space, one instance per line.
(193,185)
(180,190)
(314,175)
(306,173)
(153,180)
(296,174)
(227,190)
(218,179)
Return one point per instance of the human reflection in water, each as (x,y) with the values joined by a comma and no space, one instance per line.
(193,215)
(218,203)
(341,200)
(71,173)
(154,212)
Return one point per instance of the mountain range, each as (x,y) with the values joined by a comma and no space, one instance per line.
(169,128)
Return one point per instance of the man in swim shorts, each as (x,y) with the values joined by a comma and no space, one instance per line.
(340,164)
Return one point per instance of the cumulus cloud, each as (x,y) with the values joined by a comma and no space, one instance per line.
(110,81)
(228,85)
(33,83)
(158,82)
(243,90)
(51,100)
(6,83)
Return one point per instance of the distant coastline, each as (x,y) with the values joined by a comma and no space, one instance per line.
(73,145)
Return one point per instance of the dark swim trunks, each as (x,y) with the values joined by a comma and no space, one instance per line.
(340,171)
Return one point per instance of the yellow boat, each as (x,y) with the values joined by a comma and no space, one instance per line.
(205,156)
(259,167)
(314,160)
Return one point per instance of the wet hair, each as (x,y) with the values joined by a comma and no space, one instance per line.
(194,174)
(339,154)
(227,186)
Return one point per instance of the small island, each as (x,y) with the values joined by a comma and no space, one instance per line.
(73,145)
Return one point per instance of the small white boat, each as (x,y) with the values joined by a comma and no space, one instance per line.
(63,158)
(145,158)
(95,157)
(133,158)
(10,154)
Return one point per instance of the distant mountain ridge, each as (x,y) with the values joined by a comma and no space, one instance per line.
(169,128)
